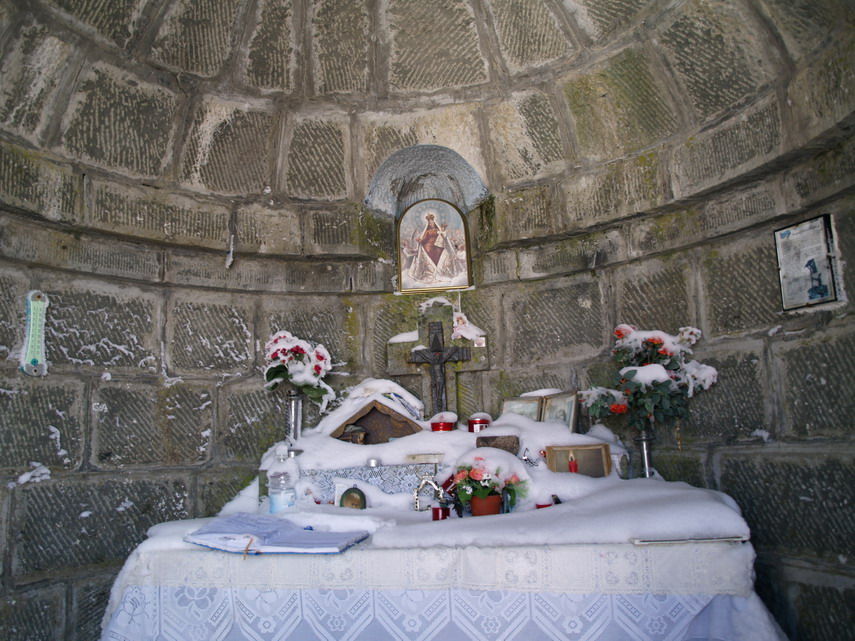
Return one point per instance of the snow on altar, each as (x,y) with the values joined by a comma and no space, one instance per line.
(572,556)
(591,510)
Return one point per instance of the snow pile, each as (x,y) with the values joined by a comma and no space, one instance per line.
(38,474)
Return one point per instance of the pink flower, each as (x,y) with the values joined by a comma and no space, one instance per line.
(476,474)
(513,480)
(461,476)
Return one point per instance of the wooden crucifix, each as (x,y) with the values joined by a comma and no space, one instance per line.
(437,355)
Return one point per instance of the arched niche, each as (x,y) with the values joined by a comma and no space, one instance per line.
(422,172)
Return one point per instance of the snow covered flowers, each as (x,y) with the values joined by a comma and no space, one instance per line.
(302,363)
(655,381)
(477,480)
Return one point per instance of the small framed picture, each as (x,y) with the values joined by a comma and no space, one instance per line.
(590,460)
(354,498)
(528,406)
(433,248)
(560,407)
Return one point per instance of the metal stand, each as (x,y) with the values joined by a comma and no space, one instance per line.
(295,415)
(645,444)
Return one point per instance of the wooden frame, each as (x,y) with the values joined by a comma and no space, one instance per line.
(528,406)
(593,460)
(561,407)
(433,248)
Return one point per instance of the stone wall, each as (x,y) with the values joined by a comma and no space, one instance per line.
(183,182)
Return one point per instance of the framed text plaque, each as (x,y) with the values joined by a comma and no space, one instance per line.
(805,263)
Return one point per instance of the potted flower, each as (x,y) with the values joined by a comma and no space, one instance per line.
(301,363)
(654,381)
(482,488)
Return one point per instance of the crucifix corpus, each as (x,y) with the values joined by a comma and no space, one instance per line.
(437,355)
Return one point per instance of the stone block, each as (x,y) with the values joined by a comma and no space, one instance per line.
(268,230)
(118,121)
(455,127)
(735,406)
(804,24)
(40,420)
(29,182)
(229,148)
(741,285)
(156,215)
(102,326)
(318,156)
(196,37)
(817,401)
(340,47)
(496,267)
(817,92)
(604,19)
(387,317)
(217,489)
(716,216)
(271,55)
(32,71)
(736,147)
(373,277)
(256,419)
(794,502)
(88,603)
(147,425)
(13,313)
(529,33)
(526,213)
(470,395)
(719,54)
(821,176)
(656,295)
(622,188)
(34,615)
(510,444)
(579,253)
(326,320)
(843,221)
(416,64)
(525,137)
(91,523)
(204,336)
(247,273)
(824,612)
(565,318)
(43,245)
(619,107)
(686,467)
(347,230)
(119,22)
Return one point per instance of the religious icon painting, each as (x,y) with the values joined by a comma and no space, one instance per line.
(433,248)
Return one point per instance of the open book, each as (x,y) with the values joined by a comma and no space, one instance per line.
(246,533)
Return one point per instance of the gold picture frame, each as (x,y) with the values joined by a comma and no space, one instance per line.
(528,406)
(563,407)
(592,460)
(433,248)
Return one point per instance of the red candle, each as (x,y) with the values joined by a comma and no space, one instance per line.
(441,427)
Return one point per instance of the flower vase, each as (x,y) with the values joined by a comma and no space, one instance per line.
(295,415)
(645,444)
(490,504)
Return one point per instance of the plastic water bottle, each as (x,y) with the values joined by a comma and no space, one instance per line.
(280,485)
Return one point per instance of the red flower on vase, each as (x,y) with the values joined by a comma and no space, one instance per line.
(618,408)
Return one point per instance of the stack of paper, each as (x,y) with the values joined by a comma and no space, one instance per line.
(246,533)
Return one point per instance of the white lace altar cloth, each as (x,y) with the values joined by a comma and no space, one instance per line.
(170,590)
